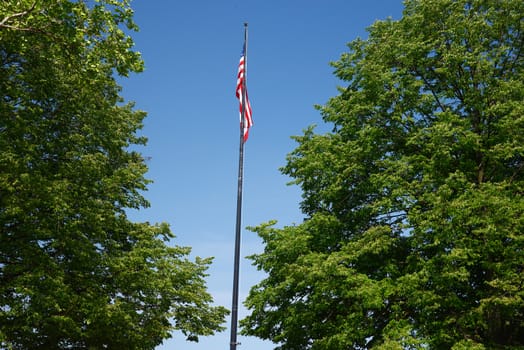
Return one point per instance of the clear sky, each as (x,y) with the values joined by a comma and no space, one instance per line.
(191,51)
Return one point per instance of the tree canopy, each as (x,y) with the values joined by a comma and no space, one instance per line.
(414,229)
(75,272)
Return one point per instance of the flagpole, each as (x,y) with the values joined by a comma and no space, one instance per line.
(236,273)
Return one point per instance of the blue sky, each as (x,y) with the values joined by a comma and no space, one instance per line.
(191,51)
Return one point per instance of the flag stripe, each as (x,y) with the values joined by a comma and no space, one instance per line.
(248,121)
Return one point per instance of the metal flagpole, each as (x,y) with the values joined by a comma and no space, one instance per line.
(236,273)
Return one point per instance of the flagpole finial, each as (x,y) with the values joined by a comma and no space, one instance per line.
(245,24)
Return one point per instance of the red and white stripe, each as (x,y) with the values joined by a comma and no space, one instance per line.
(248,121)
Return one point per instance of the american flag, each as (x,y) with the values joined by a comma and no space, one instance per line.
(248,122)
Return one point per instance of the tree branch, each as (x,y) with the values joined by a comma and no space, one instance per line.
(15,15)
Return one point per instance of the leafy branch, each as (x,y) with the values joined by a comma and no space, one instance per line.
(7,19)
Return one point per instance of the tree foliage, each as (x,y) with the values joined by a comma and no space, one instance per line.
(75,272)
(413,237)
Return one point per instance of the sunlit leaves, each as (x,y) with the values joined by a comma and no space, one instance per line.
(74,271)
(413,203)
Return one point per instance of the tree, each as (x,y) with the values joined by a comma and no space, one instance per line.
(413,237)
(75,272)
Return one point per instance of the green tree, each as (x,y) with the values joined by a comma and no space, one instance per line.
(414,230)
(75,272)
